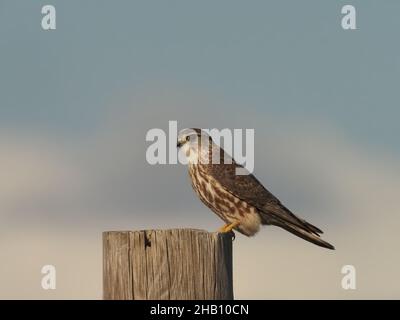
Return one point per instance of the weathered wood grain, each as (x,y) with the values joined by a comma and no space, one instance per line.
(171,264)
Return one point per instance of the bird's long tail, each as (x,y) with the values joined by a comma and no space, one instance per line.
(304,234)
(282,217)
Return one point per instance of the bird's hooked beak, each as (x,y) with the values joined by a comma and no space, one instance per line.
(179,144)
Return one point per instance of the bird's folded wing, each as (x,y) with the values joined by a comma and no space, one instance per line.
(250,190)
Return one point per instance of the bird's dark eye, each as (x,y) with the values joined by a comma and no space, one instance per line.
(187,138)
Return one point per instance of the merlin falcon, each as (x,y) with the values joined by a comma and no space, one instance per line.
(240,200)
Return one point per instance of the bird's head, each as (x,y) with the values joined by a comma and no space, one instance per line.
(191,140)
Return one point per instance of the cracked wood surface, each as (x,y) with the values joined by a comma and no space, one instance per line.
(176,264)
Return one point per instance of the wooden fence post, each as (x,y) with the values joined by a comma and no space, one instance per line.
(167,264)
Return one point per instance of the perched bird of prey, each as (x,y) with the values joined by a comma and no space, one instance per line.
(241,201)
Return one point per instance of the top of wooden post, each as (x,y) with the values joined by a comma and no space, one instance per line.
(167,264)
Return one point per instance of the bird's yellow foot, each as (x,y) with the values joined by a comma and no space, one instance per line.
(223,228)
(228,227)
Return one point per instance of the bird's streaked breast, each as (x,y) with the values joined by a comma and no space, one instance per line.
(228,207)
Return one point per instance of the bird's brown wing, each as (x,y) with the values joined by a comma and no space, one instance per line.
(249,189)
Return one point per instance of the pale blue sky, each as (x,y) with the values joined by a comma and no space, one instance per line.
(275,57)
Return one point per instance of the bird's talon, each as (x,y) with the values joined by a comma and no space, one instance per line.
(230,227)
(222,229)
